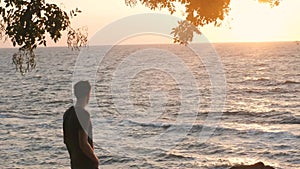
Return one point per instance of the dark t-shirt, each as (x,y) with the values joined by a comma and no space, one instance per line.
(71,128)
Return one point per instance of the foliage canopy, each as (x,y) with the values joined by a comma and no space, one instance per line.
(26,23)
(197,14)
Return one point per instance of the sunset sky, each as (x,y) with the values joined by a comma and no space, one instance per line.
(248,20)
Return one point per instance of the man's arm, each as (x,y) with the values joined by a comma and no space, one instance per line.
(86,148)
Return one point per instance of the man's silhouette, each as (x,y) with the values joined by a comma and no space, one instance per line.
(77,130)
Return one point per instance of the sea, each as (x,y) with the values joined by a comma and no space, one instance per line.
(154,106)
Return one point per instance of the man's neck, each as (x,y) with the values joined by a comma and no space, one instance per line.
(80,103)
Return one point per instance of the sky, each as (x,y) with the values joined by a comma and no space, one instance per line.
(248,20)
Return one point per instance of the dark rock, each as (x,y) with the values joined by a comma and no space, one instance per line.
(258,165)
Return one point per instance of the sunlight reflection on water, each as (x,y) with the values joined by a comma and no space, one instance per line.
(260,122)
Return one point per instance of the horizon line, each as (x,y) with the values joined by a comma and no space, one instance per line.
(218,42)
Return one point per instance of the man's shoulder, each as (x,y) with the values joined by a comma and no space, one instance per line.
(77,114)
(68,111)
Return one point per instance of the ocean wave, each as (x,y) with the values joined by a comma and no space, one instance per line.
(271,116)
(174,156)
(108,160)
(283,83)
(267,81)
(290,82)
(290,120)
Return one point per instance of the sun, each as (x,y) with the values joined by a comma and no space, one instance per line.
(250,21)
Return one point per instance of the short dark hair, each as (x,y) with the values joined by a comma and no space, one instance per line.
(82,89)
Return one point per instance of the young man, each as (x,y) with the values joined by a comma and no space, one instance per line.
(77,130)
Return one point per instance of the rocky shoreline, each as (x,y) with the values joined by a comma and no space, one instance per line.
(259,165)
